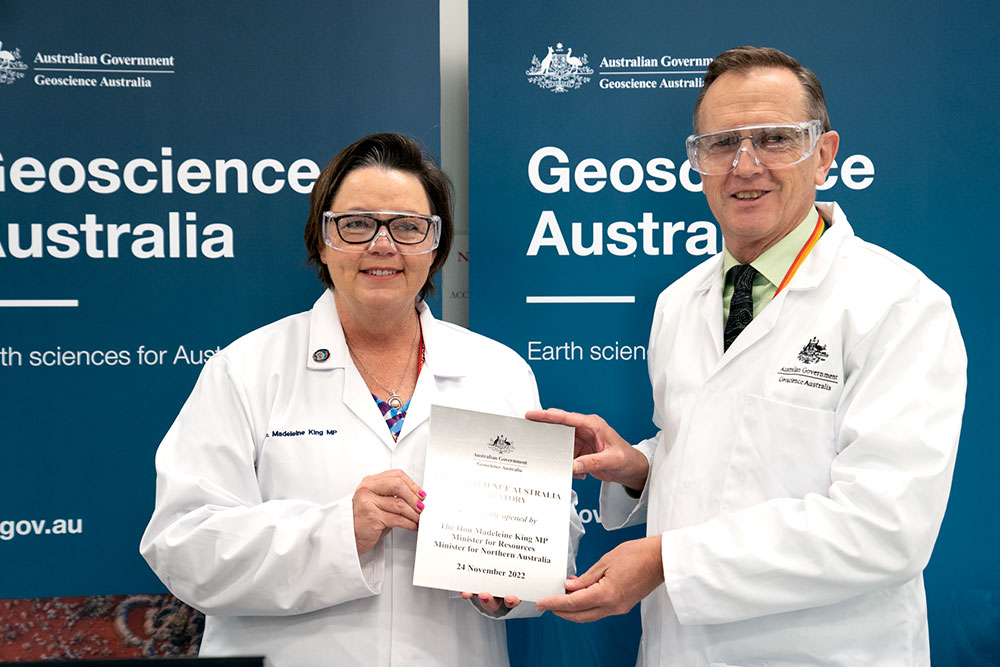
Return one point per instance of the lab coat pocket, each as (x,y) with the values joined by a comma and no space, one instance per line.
(781,450)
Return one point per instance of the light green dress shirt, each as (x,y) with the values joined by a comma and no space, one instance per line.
(772,265)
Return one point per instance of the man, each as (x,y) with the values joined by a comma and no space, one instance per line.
(809,411)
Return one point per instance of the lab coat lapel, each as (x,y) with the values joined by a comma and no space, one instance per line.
(443,352)
(327,334)
(759,327)
(710,290)
(808,277)
(358,399)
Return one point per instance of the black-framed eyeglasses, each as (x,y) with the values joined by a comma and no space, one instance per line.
(408,233)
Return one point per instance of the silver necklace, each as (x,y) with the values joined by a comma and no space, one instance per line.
(394,401)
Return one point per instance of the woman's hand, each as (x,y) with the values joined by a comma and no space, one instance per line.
(382,502)
(491,604)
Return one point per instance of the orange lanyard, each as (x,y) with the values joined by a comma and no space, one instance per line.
(801,257)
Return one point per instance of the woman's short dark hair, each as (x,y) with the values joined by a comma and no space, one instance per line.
(742,59)
(387,150)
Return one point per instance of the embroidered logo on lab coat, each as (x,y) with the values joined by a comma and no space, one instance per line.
(813,352)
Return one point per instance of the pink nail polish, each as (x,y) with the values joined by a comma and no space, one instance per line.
(420,505)
(422,493)
(484,600)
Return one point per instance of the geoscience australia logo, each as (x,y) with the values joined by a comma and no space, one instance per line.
(559,70)
(11,66)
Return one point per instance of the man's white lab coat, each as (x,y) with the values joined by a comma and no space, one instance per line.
(799,480)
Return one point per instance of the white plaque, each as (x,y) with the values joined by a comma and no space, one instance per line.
(498,505)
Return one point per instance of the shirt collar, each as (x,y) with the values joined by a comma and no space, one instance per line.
(774,262)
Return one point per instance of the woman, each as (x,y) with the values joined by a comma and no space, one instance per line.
(302,445)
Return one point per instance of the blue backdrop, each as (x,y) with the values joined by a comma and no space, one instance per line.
(283,86)
(129,166)
(911,91)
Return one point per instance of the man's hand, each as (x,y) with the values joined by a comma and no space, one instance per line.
(623,577)
(599,450)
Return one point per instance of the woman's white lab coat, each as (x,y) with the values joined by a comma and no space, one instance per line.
(800,478)
(254,521)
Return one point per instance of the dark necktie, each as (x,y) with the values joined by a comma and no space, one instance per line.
(741,306)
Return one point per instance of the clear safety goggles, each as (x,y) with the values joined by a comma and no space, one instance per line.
(359,231)
(774,146)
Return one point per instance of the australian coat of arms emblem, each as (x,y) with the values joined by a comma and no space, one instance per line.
(11,66)
(501,445)
(813,352)
(559,70)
